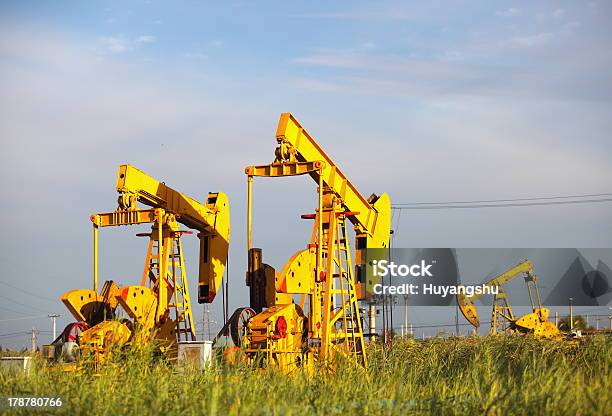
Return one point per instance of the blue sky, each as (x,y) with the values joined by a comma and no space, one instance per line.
(429,102)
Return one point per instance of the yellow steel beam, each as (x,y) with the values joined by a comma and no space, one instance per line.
(116,218)
(370,218)
(212,219)
(285,169)
(156,194)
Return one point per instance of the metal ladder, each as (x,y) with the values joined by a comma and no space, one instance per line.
(180,300)
(344,319)
(176,277)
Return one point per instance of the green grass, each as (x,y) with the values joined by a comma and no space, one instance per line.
(492,375)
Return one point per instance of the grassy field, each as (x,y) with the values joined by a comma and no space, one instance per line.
(499,375)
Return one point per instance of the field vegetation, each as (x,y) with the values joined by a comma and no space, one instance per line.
(477,375)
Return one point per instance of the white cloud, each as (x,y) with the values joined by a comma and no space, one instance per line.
(570,26)
(451,56)
(120,44)
(335,58)
(508,12)
(530,41)
(194,55)
(511,67)
(145,39)
(368,45)
(387,14)
(558,14)
(114,44)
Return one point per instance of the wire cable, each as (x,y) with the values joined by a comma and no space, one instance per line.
(21,304)
(509,200)
(28,293)
(526,204)
(11,310)
(23,318)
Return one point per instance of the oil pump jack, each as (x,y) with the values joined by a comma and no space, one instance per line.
(160,306)
(279,330)
(502,316)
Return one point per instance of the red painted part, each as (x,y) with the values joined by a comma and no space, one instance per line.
(308,216)
(75,330)
(181,232)
(349,213)
(281,327)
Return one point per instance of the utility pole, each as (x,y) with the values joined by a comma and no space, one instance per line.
(372,316)
(53,317)
(206,322)
(457,320)
(571,314)
(391,304)
(406,313)
(384,318)
(556,319)
(34,333)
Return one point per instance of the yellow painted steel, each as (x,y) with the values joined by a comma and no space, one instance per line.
(297,273)
(100,340)
(140,303)
(275,338)
(323,273)
(160,306)
(88,306)
(211,219)
(81,303)
(95,258)
(371,217)
(502,316)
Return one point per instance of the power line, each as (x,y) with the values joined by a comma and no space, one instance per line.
(509,200)
(21,304)
(27,292)
(11,310)
(526,204)
(23,318)
(439,325)
(13,333)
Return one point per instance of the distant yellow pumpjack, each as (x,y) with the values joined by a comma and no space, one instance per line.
(502,317)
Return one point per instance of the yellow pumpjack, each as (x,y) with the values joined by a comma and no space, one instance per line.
(309,312)
(160,306)
(502,317)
